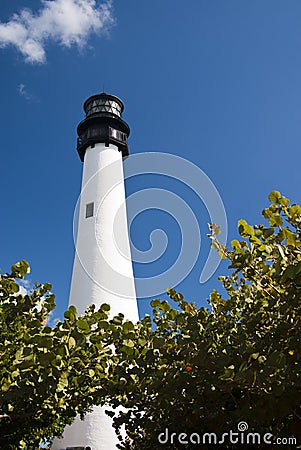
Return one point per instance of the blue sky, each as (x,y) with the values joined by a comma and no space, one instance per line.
(214,82)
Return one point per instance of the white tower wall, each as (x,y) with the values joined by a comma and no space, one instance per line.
(102,271)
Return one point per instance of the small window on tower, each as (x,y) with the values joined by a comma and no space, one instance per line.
(89,210)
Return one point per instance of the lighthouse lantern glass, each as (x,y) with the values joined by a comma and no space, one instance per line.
(102,105)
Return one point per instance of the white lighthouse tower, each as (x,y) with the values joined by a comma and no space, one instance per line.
(102,271)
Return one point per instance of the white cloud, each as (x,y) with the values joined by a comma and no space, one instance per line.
(25,287)
(24,92)
(27,94)
(52,319)
(67,22)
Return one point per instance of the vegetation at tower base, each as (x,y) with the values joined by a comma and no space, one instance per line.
(47,374)
(207,369)
(193,371)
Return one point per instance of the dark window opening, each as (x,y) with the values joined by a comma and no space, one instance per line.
(89,210)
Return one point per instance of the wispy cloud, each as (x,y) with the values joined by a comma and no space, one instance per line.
(25,287)
(52,319)
(66,22)
(23,91)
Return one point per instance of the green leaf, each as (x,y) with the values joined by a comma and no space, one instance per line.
(275,220)
(289,273)
(20,269)
(268,232)
(156,302)
(62,383)
(13,287)
(83,325)
(47,286)
(128,326)
(295,211)
(284,201)
(45,359)
(127,349)
(290,237)
(243,367)
(73,310)
(117,320)
(103,324)
(71,342)
(165,306)
(5,385)
(257,242)
(244,229)
(274,196)
(281,251)
(105,307)
(70,315)
(128,343)
(44,341)
(235,244)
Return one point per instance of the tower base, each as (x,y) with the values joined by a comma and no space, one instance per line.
(95,431)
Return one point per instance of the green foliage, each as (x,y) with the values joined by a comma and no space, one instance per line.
(47,375)
(206,369)
(189,369)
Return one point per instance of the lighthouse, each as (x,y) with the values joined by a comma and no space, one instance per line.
(102,270)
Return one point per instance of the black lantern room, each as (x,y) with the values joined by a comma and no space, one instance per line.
(103,123)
